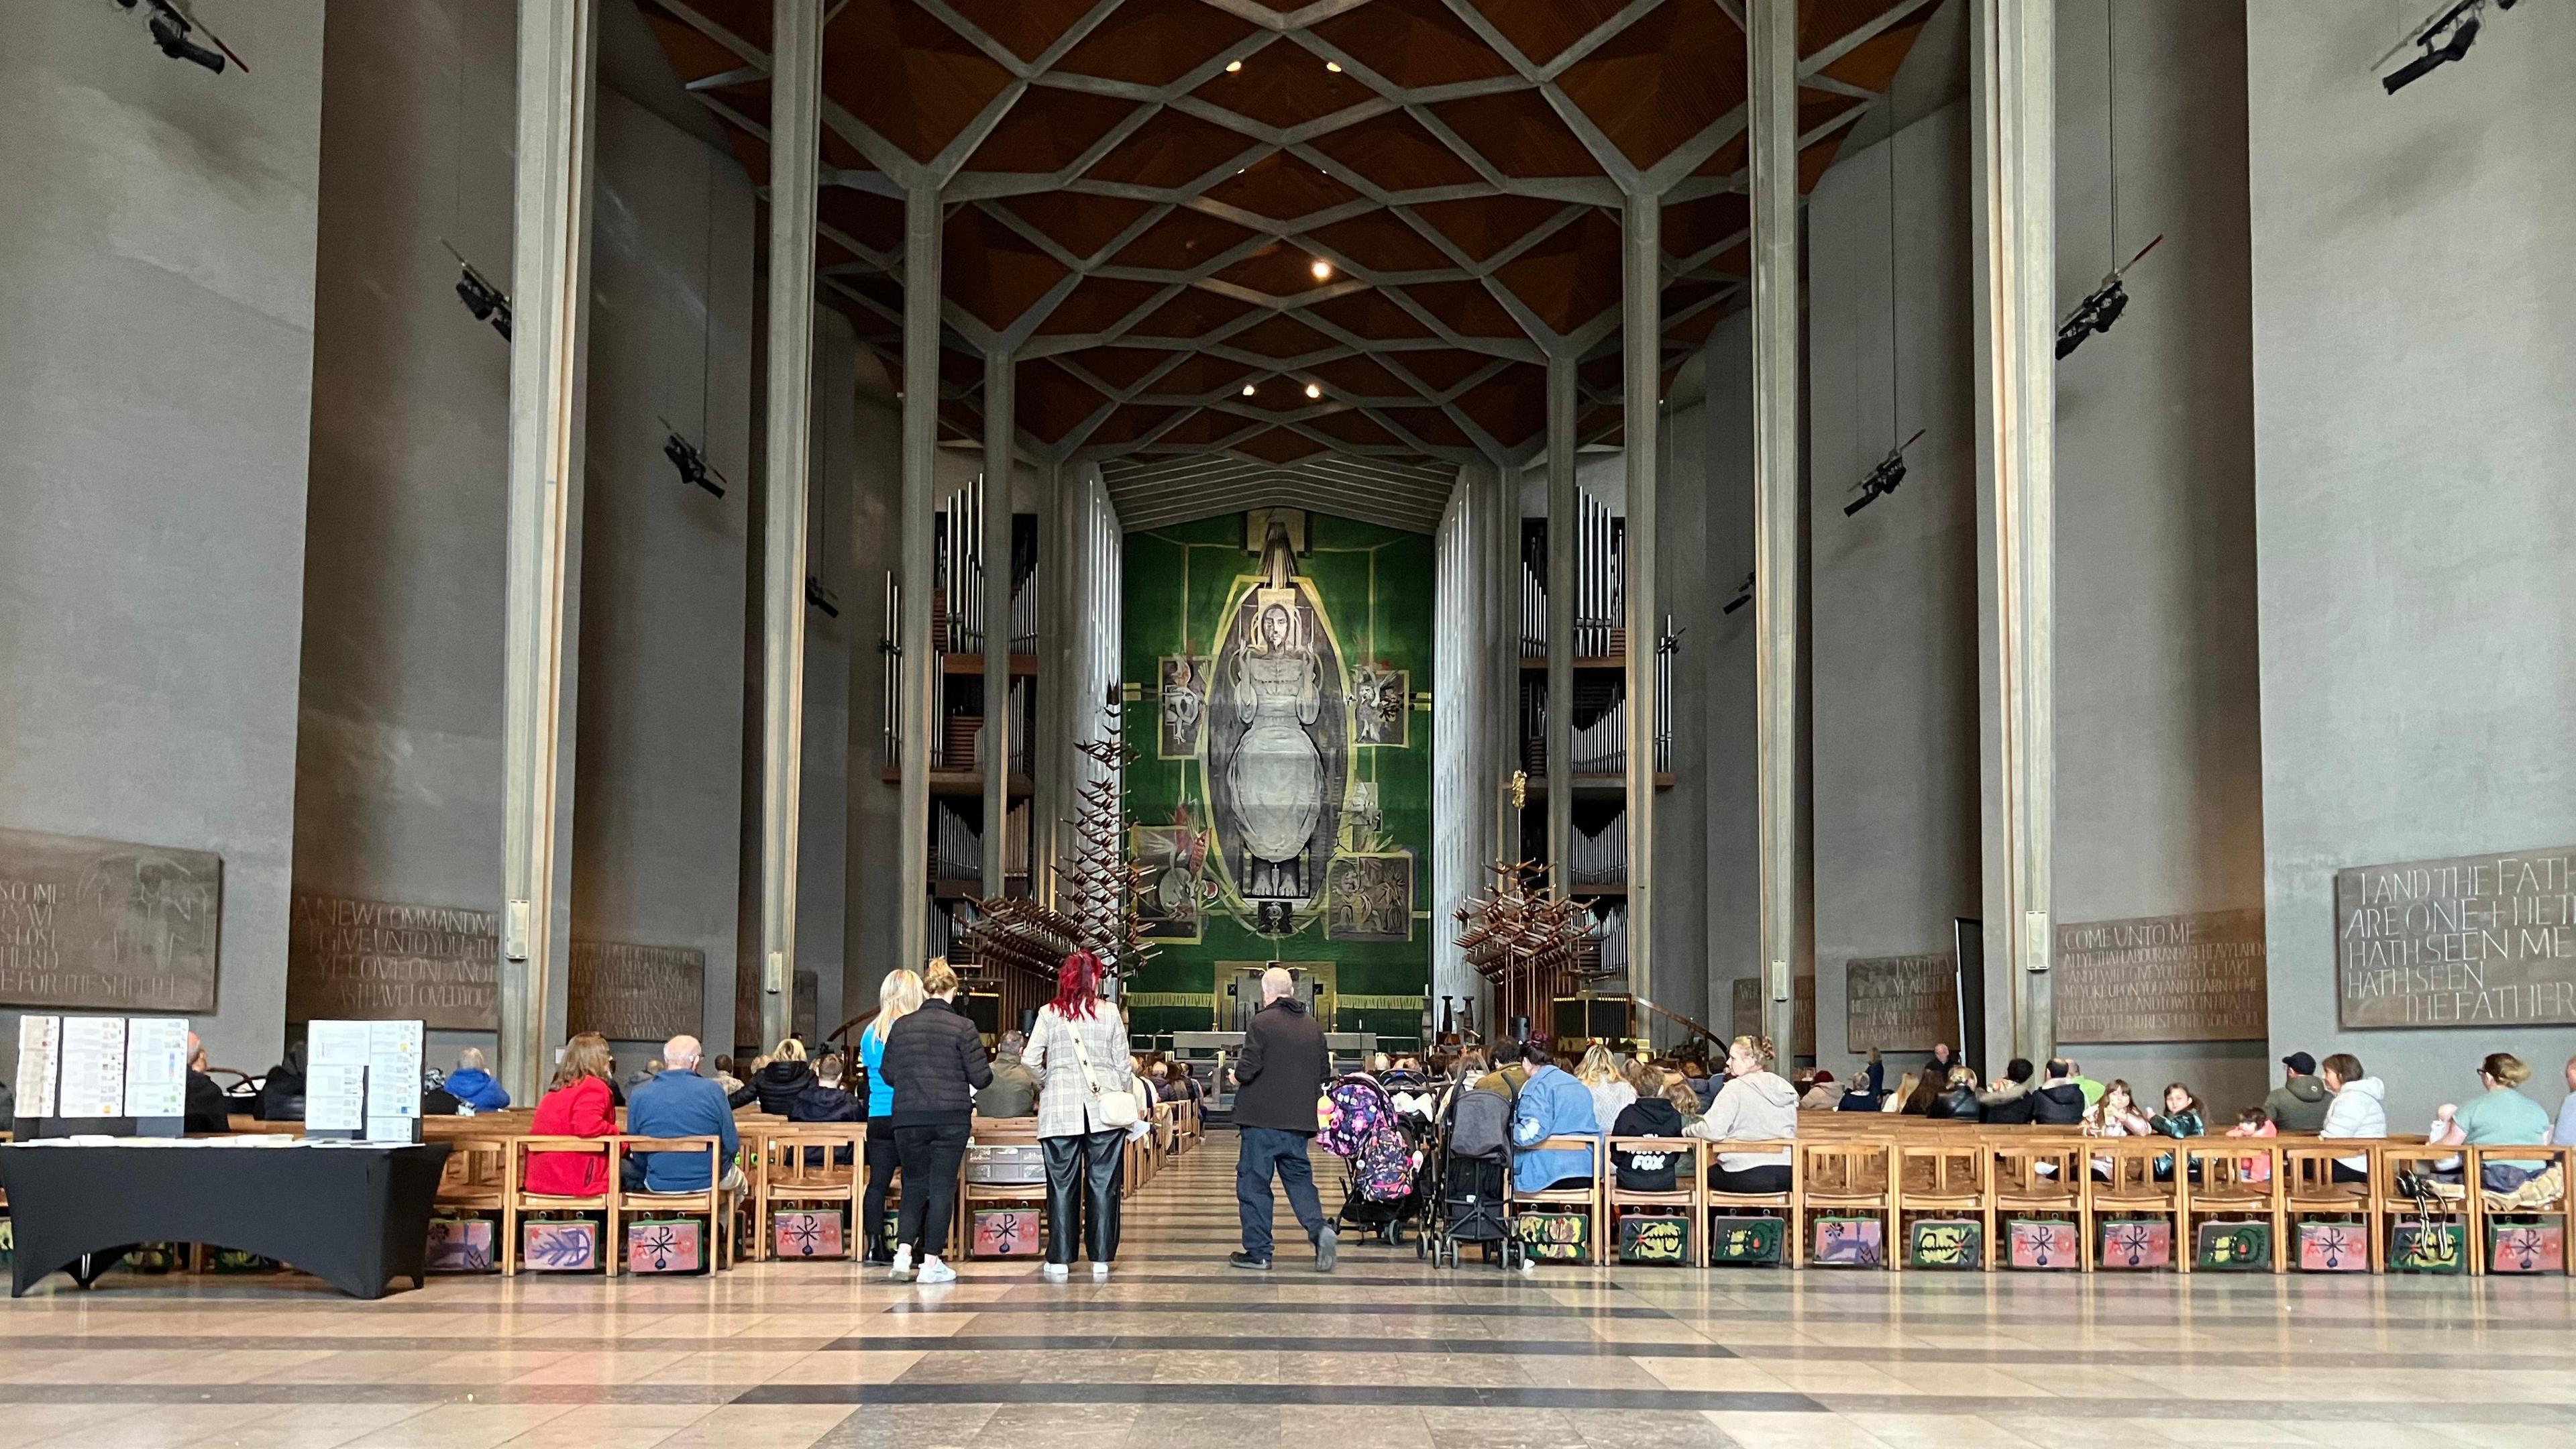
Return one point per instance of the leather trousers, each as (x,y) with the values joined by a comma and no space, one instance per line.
(1083,1177)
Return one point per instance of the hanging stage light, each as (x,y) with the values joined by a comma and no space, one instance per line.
(171,28)
(488,303)
(1743,596)
(693,465)
(2099,310)
(2445,36)
(1882,480)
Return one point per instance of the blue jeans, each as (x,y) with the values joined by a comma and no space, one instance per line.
(1266,1150)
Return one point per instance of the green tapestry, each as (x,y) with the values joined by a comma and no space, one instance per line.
(1278,668)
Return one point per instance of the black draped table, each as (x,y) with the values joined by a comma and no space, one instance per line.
(353,1216)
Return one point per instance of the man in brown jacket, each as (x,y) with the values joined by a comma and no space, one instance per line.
(1281,1073)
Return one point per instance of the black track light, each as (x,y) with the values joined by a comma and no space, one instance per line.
(693,465)
(171,30)
(2443,37)
(1882,480)
(2100,308)
(488,303)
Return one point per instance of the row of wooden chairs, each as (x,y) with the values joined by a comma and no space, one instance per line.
(1996,1176)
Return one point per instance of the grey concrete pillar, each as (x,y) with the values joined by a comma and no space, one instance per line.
(1562,506)
(2013,101)
(550,293)
(920,672)
(1772,114)
(1000,373)
(1046,752)
(1641,344)
(795,139)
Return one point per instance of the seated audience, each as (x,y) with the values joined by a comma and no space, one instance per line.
(1685,1100)
(1695,1071)
(2091,1089)
(2499,1116)
(2060,1100)
(680,1103)
(1903,1096)
(2182,1114)
(208,1110)
(1551,1103)
(1186,1088)
(2299,1103)
(1958,1102)
(1865,1090)
(1942,1060)
(2358,1109)
(1642,1169)
(1611,1091)
(776,1085)
(1823,1094)
(2254,1122)
(2564,1134)
(1507,1079)
(726,1079)
(472,1086)
(826,1100)
(1013,1092)
(575,1104)
(1755,1105)
(2117,1114)
(281,1092)
(1929,1084)
(2007,1100)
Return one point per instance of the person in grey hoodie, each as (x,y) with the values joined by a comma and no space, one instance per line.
(2359,1109)
(1755,1105)
(2299,1103)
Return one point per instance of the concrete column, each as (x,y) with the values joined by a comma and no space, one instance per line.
(1046,755)
(1642,354)
(550,293)
(921,221)
(795,122)
(1561,510)
(1000,372)
(1772,113)
(2012,65)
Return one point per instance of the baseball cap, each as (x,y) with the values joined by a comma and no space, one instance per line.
(2301,1063)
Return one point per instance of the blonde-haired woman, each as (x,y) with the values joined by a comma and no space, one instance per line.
(783,1078)
(2499,1116)
(899,995)
(1611,1092)
(935,1062)
(1755,1105)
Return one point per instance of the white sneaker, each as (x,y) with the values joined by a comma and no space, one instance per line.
(1055,1272)
(1099,1272)
(903,1264)
(935,1271)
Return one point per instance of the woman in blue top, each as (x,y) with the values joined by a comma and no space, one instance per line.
(898,996)
(2499,1116)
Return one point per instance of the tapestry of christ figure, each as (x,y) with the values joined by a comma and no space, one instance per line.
(1278,734)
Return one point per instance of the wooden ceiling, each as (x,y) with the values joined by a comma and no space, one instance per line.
(1274,231)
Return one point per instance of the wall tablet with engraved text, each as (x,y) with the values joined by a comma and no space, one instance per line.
(2475,940)
(107,925)
(2196,977)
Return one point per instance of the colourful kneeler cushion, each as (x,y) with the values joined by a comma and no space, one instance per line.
(665,1245)
(1849,1243)
(1746,1240)
(2526,1248)
(2426,1248)
(1953,1243)
(2225,1247)
(1557,1237)
(2042,1245)
(1009,1232)
(459,1245)
(1654,1240)
(559,1245)
(2139,1244)
(2330,1247)
(805,1233)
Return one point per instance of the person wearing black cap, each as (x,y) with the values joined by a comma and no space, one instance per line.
(2299,1103)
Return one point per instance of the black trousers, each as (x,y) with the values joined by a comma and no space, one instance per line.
(930,1156)
(1084,1173)
(1752,1180)
(881,1166)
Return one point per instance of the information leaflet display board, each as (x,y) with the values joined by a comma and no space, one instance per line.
(373,1079)
(102,1074)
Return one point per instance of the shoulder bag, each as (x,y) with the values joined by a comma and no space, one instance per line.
(1109,1110)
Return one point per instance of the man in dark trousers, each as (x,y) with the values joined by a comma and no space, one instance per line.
(1279,1077)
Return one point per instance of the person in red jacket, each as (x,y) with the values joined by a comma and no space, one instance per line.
(576,1104)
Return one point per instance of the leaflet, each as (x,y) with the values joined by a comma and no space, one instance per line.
(39,1048)
(93,1075)
(335,1097)
(156,1066)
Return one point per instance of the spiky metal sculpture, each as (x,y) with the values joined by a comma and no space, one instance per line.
(1096,889)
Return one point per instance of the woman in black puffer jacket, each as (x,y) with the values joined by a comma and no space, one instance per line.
(785,1078)
(935,1062)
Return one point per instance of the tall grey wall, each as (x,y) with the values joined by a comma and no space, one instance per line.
(1725,697)
(2415,341)
(2159,765)
(823,813)
(158,337)
(1688,594)
(1894,616)
(873,813)
(661,587)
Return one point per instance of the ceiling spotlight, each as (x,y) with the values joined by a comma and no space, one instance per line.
(1882,480)
(1234,67)
(1743,596)
(1314,390)
(2444,37)
(488,303)
(693,465)
(1334,66)
(2100,308)
(171,28)
(1247,389)
(1322,269)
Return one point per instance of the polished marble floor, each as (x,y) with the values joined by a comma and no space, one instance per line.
(1178,1352)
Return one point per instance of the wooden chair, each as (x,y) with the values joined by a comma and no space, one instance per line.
(2132,1177)
(1847,1179)
(1715,1204)
(2554,1209)
(971,1195)
(802,1165)
(715,1203)
(1689,1194)
(519,1202)
(477,1176)
(1589,1197)
(2232,1178)
(2311,1192)
(2042,1177)
(1945,1179)
(2388,1160)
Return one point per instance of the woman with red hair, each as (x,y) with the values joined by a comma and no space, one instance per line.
(1078,1052)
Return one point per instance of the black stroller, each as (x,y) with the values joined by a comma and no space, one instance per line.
(1466,1173)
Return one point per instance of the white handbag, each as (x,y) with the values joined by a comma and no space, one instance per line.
(1109,1110)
